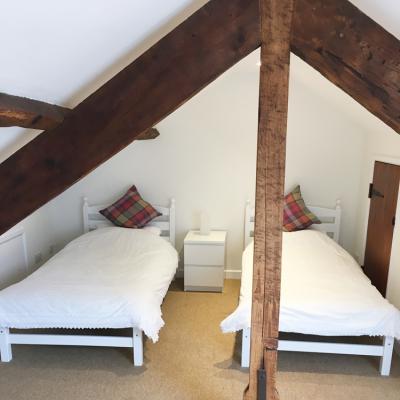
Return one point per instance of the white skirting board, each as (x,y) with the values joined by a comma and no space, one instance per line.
(229,273)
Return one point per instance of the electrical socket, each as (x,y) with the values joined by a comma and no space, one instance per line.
(38,258)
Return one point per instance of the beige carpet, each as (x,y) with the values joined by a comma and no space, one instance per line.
(192,360)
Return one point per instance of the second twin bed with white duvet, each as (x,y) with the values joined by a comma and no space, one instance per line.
(324,292)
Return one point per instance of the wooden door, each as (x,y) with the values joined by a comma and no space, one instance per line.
(382,217)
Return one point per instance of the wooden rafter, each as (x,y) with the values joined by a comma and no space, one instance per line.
(149,134)
(276,20)
(29,113)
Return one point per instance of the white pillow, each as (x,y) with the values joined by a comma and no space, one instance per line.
(155,230)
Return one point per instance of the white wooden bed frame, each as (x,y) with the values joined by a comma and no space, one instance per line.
(92,219)
(331,225)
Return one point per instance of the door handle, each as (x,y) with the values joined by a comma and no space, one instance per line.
(373,192)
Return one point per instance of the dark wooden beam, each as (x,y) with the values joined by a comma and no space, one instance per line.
(35,114)
(149,134)
(194,54)
(276,22)
(353,52)
(29,113)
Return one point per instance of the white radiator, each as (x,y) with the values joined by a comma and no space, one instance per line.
(13,258)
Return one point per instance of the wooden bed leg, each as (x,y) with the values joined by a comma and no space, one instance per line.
(386,359)
(245,362)
(137,347)
(5,345)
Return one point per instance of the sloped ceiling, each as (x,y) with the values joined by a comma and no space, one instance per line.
(60,52)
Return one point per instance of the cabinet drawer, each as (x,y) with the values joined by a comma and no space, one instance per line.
(204,254)
(207,277)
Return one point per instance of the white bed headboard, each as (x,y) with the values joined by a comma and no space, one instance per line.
(92,219)
(330,218)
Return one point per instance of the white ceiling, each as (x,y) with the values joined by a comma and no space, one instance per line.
(61,52)
(57,49)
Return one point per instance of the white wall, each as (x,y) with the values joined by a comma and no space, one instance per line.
(38,239)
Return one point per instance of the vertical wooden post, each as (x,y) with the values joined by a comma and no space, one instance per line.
(276,19)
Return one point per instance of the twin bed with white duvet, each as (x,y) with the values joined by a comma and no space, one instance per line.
(324,292)
(107,278)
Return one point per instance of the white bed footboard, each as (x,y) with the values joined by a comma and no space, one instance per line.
(384,351)
(135,342)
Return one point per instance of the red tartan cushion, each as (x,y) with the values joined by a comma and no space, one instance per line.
(296,215)
(130,211)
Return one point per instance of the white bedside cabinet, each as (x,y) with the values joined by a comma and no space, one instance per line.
(204,261)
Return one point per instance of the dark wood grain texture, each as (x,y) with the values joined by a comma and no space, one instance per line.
(149,134)
(353,52)
(29,113)
(276,22)
(36,114)
(181,64)
(382,215)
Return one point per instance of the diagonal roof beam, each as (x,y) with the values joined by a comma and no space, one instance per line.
(337,39)
(353,52)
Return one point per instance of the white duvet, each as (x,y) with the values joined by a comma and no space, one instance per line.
(324,292)
(107,278)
